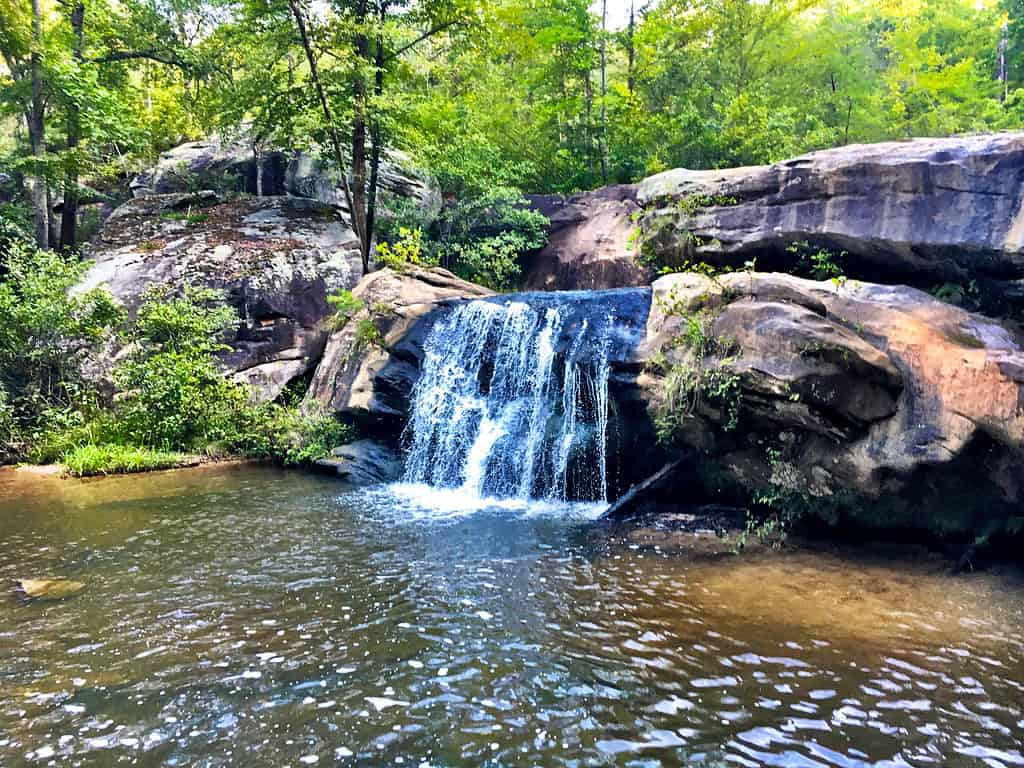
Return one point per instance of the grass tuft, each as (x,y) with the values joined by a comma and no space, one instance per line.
(91,460)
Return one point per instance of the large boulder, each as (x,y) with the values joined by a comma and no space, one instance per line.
(930,213)
(879,392)
(228,166)
(214,163)
(277,259)
(591,242)
(925,212)
(372,361)
(306,176)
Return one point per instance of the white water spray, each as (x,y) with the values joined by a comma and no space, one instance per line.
(499,411)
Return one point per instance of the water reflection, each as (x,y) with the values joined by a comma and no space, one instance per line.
(250,617)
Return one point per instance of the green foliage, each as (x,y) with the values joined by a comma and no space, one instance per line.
(818,263)
(15,228)
(47,335)
(346,306)
(89,460)
(406,250)
(692,204)
(483,238)
(968,296)
(290,437)
(367,334)
(176,397)
(704,379)
(188,217)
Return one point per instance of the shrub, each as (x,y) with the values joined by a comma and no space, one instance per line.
(15,228)
(47,333)
(175,400)
(484,237)
(176,396)
(290,437)
(818,263)
(405,250)
(346,306)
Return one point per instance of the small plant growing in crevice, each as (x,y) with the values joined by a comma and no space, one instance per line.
(968,296)
(346,305)
(187,216)
(691,204)
(707,378)
(818,263)
(367,334)
(407,250)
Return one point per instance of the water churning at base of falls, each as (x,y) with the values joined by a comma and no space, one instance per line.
(502,409)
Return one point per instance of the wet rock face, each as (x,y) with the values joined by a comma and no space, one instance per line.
(880,391)
(364,462)
(276,258)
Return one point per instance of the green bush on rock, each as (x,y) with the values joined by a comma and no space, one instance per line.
(174,400)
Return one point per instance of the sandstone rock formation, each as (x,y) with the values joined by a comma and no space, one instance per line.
(591,242)
(879,391)
(363,462)
(860,394)
(924,212)
(276,258)
(231,166)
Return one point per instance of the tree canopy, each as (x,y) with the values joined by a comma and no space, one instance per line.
(487,94)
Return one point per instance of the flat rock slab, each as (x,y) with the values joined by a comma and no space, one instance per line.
(49,589)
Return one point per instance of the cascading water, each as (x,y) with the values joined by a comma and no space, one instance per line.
(503,410)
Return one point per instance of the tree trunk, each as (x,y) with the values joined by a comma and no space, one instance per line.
(257,156)
(588,123)
(1003,75)
(375,130)
(332,127)
(69,217)
(362,46)
(631,51)
(35,122)
(604,91)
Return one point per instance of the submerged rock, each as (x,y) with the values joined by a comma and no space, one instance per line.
(364,462)
(50,589)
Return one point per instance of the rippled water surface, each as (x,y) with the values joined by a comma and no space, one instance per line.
(244,616)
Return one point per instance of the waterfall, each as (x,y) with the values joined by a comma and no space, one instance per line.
(503,408)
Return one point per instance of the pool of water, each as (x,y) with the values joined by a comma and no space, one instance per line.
(247,616)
